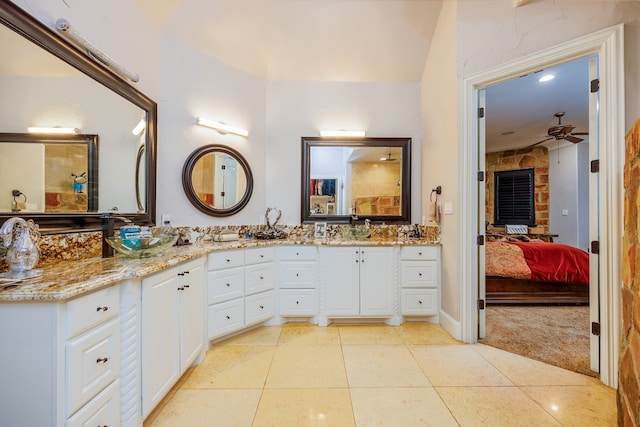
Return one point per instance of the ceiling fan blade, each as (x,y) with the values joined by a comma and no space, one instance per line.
(540,142)
(579,133)
(573,139)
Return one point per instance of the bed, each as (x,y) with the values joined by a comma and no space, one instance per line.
(535,272)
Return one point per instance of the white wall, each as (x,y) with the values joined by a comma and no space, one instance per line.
(568,172)
(296,109)
(194,84)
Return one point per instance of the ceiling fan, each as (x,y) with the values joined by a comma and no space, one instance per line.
(388,158)
(561,131)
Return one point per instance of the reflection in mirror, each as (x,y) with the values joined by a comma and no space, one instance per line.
(41,89)
(62,171)
(140,173)
(367,178)
(217,180)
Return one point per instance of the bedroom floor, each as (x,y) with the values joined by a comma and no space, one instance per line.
(363,375)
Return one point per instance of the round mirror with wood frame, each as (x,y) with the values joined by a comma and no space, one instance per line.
(217,180)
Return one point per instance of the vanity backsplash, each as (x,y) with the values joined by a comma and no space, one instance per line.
(77,246)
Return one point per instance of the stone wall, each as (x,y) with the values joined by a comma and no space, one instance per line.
(629,381)
(537,158)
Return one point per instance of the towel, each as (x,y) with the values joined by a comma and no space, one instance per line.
(434,212)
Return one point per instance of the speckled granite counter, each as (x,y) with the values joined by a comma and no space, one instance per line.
(66,280)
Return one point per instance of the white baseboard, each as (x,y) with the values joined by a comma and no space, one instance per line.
(451,325)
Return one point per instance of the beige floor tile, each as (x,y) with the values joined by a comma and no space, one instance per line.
(494,407)
(265,335)
(304,407)
(206,408)
(368,334)
(424,333)
(307,366)
(232,366)
(406,407)
(457,365)
(523,371)
(382,366)
(305,333)
(577,405)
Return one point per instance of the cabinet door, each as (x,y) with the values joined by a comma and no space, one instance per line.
(376,281)
(160,337)
(192,306)
(340,267)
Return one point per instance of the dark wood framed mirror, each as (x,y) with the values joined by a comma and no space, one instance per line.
(63,171)
(367,178)
(217,180)
(111,109)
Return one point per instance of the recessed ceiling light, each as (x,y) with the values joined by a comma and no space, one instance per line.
(546,78)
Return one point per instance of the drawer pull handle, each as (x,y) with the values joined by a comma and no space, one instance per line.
(228,260)
(102,308)
(420,274)
(103,360)
(297,253)
(228,317)
(420,253)
(228,284)
(186,286)
(185,272)
(297,275)
(262,307)
(181,274)
(261,256)
(419,302)
(261,278)
(181,288)
(297,302)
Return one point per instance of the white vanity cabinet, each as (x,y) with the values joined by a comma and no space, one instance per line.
(172,329)
(358,281)
(420,281)
(240,291)
(297,281)
(60,362)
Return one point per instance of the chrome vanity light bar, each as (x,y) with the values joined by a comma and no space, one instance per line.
(93,52)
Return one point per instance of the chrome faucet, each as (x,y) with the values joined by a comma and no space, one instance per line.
(108,222)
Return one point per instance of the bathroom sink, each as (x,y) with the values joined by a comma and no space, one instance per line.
(144,247)
(358,232)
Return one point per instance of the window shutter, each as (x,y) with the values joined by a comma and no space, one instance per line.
(514,197)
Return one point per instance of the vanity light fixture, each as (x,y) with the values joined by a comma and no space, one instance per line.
(221,127)
(142,124)
(343,133)
(57,129)
(91,51)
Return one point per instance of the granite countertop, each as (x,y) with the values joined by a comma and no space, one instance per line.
(66,280)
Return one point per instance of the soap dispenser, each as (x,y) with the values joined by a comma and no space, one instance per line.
(20,237)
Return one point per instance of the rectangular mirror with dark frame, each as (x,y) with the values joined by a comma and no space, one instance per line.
(363,178)
(47,82)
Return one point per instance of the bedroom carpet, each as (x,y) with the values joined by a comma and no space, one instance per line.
(558,335)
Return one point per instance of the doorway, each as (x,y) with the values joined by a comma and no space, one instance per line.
(607,44)
(536,163)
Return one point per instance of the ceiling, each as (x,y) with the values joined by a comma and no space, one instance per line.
(356,41)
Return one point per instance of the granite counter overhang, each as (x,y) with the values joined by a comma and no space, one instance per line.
(67,280)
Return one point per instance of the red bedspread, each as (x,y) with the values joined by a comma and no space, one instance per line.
(543,261)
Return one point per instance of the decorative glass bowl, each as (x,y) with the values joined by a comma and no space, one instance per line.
(355,232)
(143,247)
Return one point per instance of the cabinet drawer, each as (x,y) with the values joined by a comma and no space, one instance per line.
(418,253)
(259,307)
(298,302)
(418,274)
(258,255)
(419,302)
(225,317)
(297,253)
(102,410)
(228,259)
(258,278)
(90,310)
(92,362)
(225,285)
(297,275)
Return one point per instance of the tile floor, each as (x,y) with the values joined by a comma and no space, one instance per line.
(376,375)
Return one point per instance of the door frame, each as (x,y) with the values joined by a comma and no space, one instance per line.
(608,44)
